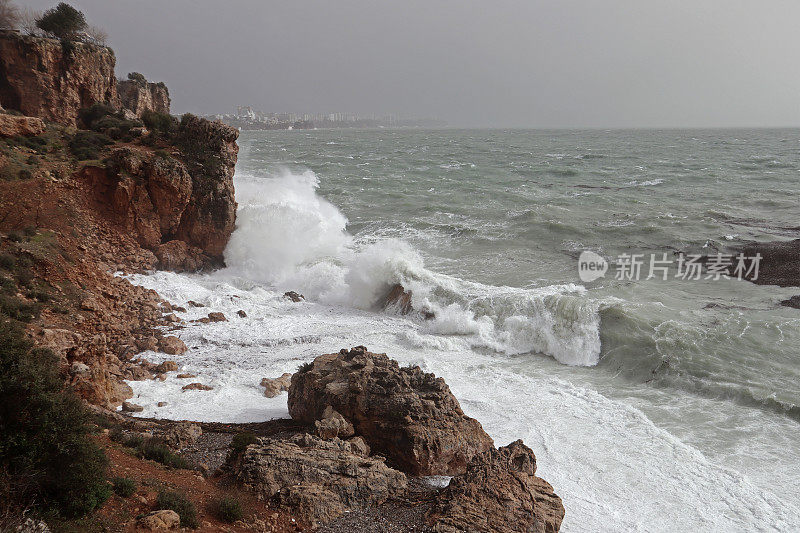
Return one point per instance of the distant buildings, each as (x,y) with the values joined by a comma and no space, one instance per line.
(247,118)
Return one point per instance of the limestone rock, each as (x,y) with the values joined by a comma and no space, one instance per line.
(332,425)
(499,493)
(172,345)
(315,479)
(140,97)
(167,366)
(293,296)
(196,386)
(182,434)
(11,125)
(129,407)
(42,78)
(275,386)
(217,317)
(163,520)
(407,415)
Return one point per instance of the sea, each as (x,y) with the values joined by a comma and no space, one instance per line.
(654,400)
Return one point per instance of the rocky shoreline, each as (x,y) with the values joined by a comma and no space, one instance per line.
(100,179)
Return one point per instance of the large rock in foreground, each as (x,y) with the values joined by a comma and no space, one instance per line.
(407,415)
(499,494)
(316,479)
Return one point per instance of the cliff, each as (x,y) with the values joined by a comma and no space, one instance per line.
(51,80)
(141,97)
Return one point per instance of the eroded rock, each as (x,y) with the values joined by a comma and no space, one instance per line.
(404,413)
(499,493)
(316,479)
(275,386)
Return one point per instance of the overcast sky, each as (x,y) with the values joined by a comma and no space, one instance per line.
(554,63)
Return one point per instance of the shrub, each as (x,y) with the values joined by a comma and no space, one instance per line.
(179,503)
(63,21)
(7,261)
(229,510)
(87,144)
(160,122)
(25,174)
(45,438)
(241,441)
(159,452)
(13,307)
(88,115)
(29,231)
(124,486)
(138,78)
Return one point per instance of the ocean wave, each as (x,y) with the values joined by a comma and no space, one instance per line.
(290,238)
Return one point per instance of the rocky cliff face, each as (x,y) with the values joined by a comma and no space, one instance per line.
(140,97)
(50,80)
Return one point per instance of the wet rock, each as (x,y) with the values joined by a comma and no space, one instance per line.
(217,317)
(196,386)
(129,407)
(192,303)
(779,265)
(407,415)
(148,343)
(498,493)
(241,313)
(398,298)
(794,301)
(172,345)
(186,376)
(275,386)
(167,366)
(163,520)
(137,373)
(293,296)
(317,480)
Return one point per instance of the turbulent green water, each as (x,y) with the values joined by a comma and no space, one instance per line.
(651,404)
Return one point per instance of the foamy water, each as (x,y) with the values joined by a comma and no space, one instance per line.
(570,369)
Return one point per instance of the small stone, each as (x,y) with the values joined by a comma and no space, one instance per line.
(129,407)
(217,317)
(160,521)
(161,404)
(293,296)
(196,386)
(194,304)
(186,376)
(241,313)
(78,368)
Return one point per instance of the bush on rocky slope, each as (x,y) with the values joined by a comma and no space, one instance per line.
(44,442)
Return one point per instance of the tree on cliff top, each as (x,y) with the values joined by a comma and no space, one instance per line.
(62,21)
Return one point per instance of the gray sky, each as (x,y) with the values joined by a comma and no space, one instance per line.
(553,63)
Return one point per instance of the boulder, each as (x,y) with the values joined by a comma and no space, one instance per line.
(241,313)
(186,376)
(167,366)
(129,407)
(293,296)
(163,520)
(317,480)
(182,434)
(407,415)
(275,386)
(217,317)
(196,386)
(78,368)
(11,125)
(172,345)
(499,493)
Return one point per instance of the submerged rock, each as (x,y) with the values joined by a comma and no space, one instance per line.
(293,296)
(404,413)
